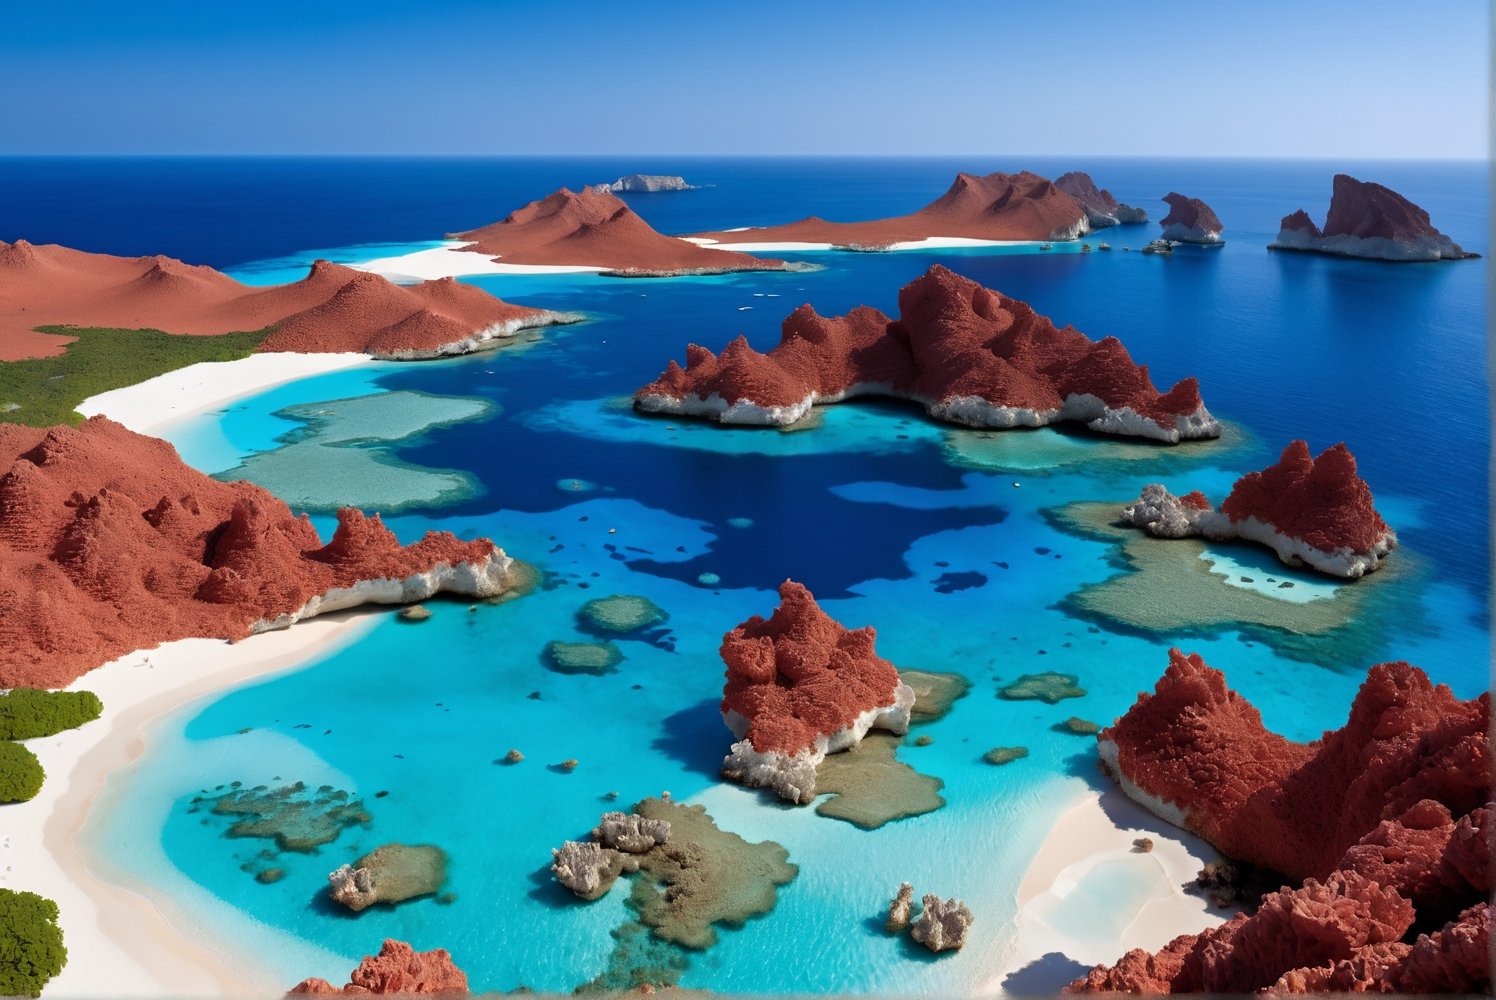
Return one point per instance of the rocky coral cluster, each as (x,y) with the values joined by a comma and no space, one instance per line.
(590,867)
(1371,221)
(940,924)
(1384,825)
(1311,511)
(800,686)
(398,969)
(968,354)
(109,543)
(389,874)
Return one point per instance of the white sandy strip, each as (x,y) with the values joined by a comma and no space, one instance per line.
(1091,843)
(928,243)
(122,943)
(148,406)
(450,261)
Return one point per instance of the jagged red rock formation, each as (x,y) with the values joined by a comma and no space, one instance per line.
(109,543)
(1022,206)
(334,308)
(397,969)
(1395,890)
(1190,220)
(1310,511)
(799,686)
(1368,220)
(1102,209)
(968,354)
(594,228)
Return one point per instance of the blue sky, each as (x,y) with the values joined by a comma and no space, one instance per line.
(1341,78)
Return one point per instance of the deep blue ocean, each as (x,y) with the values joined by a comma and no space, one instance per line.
(892,520)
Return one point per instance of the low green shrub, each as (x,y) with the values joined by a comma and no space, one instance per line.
(28,714)
(21,777)
(31,948)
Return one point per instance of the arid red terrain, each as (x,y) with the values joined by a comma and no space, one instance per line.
(1368,220)
(593,228)
(398,969)
(1102,209)
(970,355)
(334,308)
(1022,206)
(1311,511)
(109,543)
(1383,825)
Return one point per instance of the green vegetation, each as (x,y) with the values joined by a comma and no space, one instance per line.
(31,949)
(44,391)
(21,776)
(28,714)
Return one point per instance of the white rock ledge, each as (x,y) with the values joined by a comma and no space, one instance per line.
(793,776)
(488,578)
(1424,248)
(972,411)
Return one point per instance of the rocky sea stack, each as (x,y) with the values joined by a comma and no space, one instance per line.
(801,686)
(1190,220)
(968,354)
(1315,512)
(1370,221)
(1102,210)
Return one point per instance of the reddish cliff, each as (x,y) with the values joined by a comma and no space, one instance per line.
(1394,889)
(397,969)
(1368,220)
(334,308)
(800,686)
(1190,220)
(594,228)
(1311,511)
(1102,210)
(968,354)
(109,543)
(1021,206)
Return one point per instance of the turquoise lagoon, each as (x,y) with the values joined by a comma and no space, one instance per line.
(938,537)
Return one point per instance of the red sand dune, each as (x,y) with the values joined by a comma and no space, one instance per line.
(397,969)
(801,674)
(109,543)
(1364,817)
(595,228)
(969,354)
(1022,206)
(334,308)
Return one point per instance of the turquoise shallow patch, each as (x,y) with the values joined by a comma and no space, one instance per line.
(345,454)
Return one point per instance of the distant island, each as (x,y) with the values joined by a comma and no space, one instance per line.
(1369,221)
(648,184)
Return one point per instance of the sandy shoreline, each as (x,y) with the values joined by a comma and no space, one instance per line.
(928,243)
(1075,874)
(450,261)
(148,406)
(122,943)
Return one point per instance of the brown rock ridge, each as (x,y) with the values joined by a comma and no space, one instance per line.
(334,308)
(594,228)
(398,969)
(1190,220)
(109,544)
(1394,888)
(968,354)
(1022,206)
(1370,221)
(1102,209)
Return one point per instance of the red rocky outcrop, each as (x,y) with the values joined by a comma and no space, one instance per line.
(1190,220)
(1368,220)
(398,969)
(970,355)
(109,543)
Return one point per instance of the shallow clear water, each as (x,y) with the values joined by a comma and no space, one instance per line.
(936,536)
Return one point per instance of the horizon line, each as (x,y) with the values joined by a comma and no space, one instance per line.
(275,154)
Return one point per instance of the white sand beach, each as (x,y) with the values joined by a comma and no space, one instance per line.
(928,243)
(121,943)
(1089,895)
(451,261)
(148,406)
